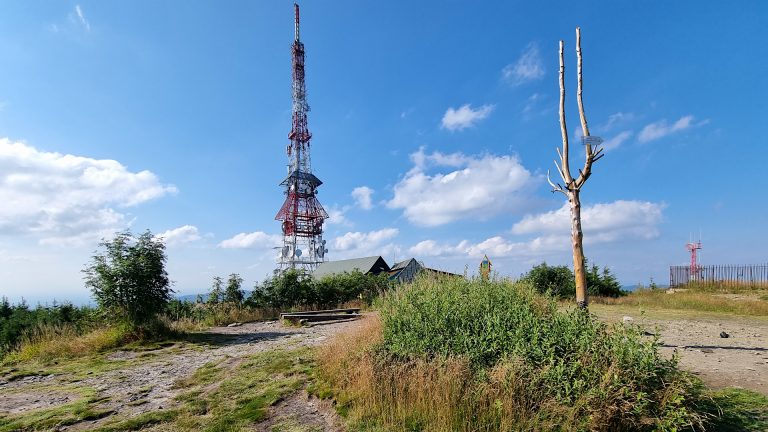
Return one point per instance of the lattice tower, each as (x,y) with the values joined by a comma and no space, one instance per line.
(302,215)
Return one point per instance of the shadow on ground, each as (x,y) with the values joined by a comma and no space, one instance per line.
(216,339)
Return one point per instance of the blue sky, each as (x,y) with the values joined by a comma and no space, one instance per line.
(434,124)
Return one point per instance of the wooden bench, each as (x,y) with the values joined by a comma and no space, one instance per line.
(321,315)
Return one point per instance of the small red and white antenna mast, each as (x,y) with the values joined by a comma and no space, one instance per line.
(692,248)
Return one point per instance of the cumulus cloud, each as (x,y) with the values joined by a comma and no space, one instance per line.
(662,128)
(495,246)
(617,140)
(528,67)
(254,240)
(478,187)
(358,240)
(180,235)
(602,223)
(464,117)
(362,196)
(337,216)
(67,199)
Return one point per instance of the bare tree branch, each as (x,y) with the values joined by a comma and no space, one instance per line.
(590,157)
(560,171)
(566,170)
(555,187)
(582,116)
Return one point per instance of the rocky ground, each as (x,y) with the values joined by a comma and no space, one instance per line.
(738,360)
(147,380)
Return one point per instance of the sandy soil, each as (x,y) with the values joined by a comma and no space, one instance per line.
(740,360)
(148,385)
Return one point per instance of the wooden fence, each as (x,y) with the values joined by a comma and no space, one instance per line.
(722,274)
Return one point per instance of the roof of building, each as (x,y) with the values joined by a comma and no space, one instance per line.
(364,265)
(401,265)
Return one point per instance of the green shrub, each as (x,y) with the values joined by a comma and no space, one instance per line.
(292,289)
(559,281)
(607,376)
(128,279)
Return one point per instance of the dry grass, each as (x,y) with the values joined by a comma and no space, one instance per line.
(223,314)
(442,395)
(47,342)
(435,395)
(735,287)
(706,301)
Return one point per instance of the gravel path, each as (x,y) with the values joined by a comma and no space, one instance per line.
(148,384)
(740,360)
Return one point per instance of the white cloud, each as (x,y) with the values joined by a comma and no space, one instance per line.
(617,119)
(254,240)
(617,140)
(79,17)
(495,246)
(180,235)
(530,103)
(600,222)
(480,187)
(67,199)
(337,216)
(528,67)
(359,240)
(425,248)
(662,128)
(464,117)
(362,196)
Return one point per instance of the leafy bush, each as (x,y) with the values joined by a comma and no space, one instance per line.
(234,293)
(128,279)
(292,289)
(559,281)
(499,356)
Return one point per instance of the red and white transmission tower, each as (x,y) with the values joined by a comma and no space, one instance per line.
(301,215)
(692,248)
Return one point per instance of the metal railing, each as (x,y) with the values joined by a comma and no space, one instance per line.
(722,274)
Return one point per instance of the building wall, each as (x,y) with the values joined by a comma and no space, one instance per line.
(409,272)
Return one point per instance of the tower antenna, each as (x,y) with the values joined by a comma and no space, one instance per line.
(693,247)
(301,215)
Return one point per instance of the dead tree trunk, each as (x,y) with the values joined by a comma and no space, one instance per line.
(572,187)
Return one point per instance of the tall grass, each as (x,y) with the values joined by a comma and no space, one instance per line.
(457,355)
(47,342)
(224,313)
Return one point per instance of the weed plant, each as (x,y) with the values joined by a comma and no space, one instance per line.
(458,355)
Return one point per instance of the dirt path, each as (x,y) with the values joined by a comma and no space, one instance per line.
(147,380)
(740,360)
